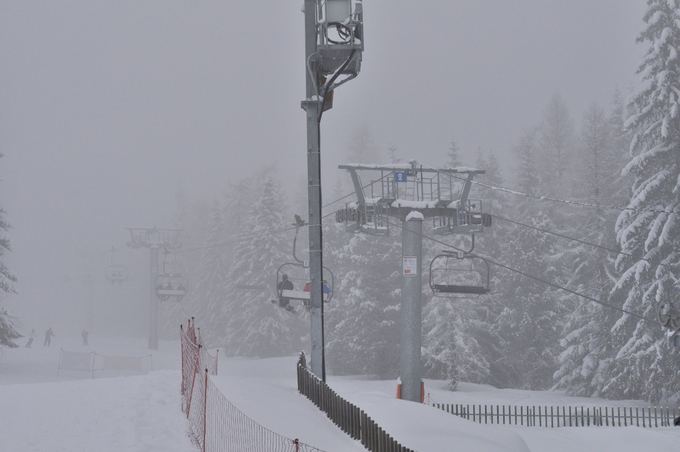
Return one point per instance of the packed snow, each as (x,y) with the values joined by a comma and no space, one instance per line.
(74,412)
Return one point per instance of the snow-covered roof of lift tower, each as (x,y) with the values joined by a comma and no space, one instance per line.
(409,166)
(415,215)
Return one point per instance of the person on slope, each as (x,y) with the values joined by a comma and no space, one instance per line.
(49,334)
(85,335)
(31,337)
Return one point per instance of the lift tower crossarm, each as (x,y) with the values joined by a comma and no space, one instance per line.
(408,167)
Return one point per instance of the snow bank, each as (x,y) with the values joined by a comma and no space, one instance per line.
(266,391)
(421,427)
(377,396)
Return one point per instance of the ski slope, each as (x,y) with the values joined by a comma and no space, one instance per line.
(46,412)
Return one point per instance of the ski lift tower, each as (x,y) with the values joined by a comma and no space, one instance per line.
(154,239)
(334,43)
(412,193)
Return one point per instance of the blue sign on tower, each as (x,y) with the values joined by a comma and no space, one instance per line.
(400,176)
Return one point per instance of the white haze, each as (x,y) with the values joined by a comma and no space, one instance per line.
(109,109)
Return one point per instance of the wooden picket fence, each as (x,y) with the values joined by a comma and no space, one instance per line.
(562,416)
(348,417)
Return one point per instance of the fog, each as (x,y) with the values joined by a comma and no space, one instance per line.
(110,110)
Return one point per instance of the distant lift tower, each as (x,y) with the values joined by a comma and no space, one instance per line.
(412,193)
(334,43)
(154,239)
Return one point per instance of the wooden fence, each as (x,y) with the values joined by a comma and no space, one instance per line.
(347,416)
(561,416)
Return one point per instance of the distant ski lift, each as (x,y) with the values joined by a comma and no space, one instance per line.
(293,286)
(117,274)
(169,287)
(453,273)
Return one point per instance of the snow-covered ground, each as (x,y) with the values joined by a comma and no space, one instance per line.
(252,384)
(45,412)
(424,428)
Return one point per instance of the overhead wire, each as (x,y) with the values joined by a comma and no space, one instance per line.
(564,236)
(564,201)
(538,279)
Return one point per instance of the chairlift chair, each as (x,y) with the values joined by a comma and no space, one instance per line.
(116,274)
(454,274)
(169,286)
(301,286)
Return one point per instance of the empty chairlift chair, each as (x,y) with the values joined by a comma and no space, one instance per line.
(459,274)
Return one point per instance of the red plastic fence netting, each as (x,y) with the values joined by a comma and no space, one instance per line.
(216,424)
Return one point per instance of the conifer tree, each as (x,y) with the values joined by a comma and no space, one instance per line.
(648,231)
(8,333)
(528,324)
(210,290)
(364,330)
(556,144)
(586,342)
(248,323)
(453,158)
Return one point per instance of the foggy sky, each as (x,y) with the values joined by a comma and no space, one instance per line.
(109,108)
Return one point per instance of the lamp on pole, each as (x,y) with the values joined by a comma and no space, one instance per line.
(333,48)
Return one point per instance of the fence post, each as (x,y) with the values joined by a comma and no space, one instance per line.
(181,350)
(205,408)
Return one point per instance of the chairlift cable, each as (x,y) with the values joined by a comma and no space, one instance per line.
(328,204)
(543,281)
(566,237)
(564,201)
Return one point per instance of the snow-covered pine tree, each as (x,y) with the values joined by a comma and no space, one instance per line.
(461,341)
(392,154)
(361,147)
(556,139)
(453,158)
(586,342)
(210,291)
(529,322)
(8,333)
(363,333)
(248,324)
(492,242)
(649,230)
